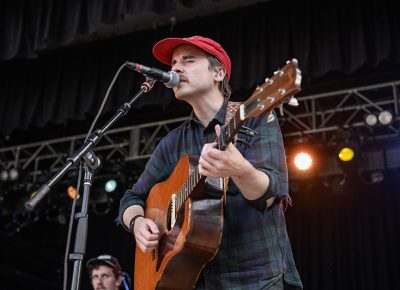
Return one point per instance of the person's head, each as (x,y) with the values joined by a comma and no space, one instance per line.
(199,61)
(105,272)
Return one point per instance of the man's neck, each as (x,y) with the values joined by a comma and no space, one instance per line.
(206,107)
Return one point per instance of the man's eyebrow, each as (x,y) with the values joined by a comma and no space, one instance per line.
(185,57)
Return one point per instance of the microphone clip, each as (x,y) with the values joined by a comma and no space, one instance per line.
(148,84)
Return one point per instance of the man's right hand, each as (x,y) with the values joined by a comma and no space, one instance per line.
(146,234)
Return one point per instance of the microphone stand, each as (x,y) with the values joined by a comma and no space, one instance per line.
(91,163)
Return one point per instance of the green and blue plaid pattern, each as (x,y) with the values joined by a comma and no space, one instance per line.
(255,251)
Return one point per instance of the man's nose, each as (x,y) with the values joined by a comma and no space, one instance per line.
(177,68)
(97,282)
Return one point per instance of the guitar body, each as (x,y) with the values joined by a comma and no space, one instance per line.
(191,242)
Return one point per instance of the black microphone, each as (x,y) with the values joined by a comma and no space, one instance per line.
(40,193)
(170,79)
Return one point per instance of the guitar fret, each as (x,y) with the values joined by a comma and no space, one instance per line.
(188,188)
(233,125)
(228,132)
(182,198)
(189,185)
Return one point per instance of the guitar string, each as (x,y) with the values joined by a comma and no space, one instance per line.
(195,176)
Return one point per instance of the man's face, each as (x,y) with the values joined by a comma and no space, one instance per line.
(192,65)
(103,279)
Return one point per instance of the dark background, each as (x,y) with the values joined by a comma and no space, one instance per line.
(58,58)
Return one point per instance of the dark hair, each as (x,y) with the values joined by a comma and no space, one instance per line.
(223,86)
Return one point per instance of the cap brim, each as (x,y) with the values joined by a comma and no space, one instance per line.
(163,49)
(95,261)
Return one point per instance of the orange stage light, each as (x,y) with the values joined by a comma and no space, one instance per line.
(72,192)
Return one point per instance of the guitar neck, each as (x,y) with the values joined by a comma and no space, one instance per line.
(229,131)
(273,92)
(187,188)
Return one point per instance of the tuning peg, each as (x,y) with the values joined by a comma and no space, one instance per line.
(293,102)
(269,81)
(293,60)
(281,110)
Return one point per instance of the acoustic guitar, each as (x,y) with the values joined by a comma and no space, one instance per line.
(188,207)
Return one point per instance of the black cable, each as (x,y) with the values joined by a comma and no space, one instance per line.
(126,280)
(104,100)
(71,221)
(73,207)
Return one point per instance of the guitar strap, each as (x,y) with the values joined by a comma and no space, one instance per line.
(231,110)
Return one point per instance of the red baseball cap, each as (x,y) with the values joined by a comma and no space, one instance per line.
(163,49)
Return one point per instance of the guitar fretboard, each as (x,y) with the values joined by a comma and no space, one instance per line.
(269,95)
(231,129)
(186,189)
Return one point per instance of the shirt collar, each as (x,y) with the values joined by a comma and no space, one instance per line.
(219,118)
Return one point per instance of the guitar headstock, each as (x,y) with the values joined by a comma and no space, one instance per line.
(278,89)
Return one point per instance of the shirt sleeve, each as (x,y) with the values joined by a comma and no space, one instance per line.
(267,153)
(157,169)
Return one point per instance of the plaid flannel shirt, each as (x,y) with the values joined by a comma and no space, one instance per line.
(255,251)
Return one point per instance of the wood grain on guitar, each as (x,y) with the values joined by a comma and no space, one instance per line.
(188,207)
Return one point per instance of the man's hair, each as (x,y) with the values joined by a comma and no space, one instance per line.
(223,86)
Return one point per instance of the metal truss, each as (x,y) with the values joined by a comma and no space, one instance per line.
(321,118)
(128,143)
(329,117)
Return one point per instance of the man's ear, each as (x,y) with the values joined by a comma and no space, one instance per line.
(118,282)
(220,74)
